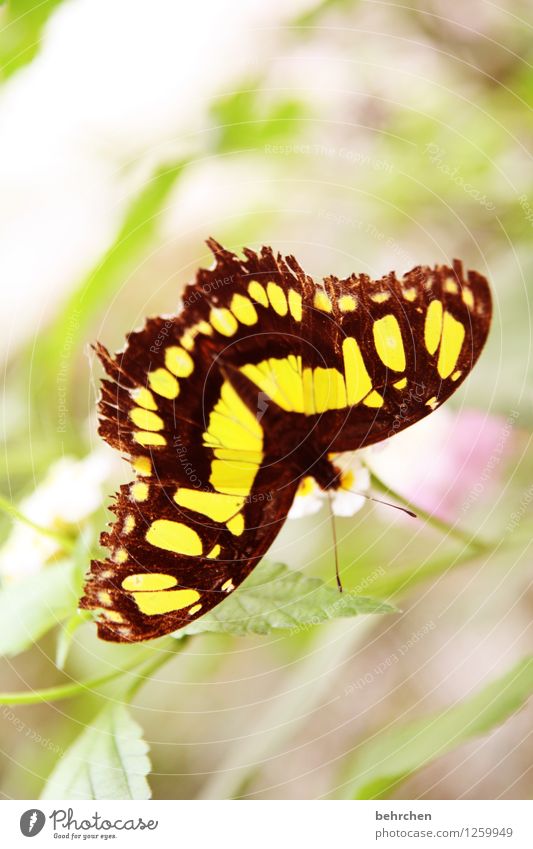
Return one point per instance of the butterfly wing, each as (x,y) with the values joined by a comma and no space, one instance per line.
(397,349)
(208,499)
(223,408)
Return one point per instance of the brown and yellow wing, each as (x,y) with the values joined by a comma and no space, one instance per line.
(206,502)
(223,408)
(376,356)
(402,346)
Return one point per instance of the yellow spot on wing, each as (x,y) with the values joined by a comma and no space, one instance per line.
(257,292)
(409,294)
(451,286)
(139,491)
(347,303)
(281,380)
(178,361)
(147,581)
(232,424)
(120,555)
(157,603)
(129,524)
(236,525)
(233,477)
(195,609)
(277,298)
(187,340)
(433,326)
(145,419)
(144,398)
(358,383)
(163,383)
(400,384)
(145,438)
(228,586)
(204,327)
(468,298)
(223,321)
(321,301)
(174,536)
(389,343)
(112,615)
(295,304)
(215,551)
(104,597)
(243,309)
(380,297)
(453,334)
(329,389)
(307,486)
(216,506)
(143,466)
(373,400)
(433,403)
(309,391)
(456,375)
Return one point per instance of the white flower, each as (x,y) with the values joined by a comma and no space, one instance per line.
(345,501)
(70,493)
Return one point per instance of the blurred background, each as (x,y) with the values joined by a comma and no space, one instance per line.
(361,136)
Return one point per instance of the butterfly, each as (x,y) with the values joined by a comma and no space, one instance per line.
(225,408)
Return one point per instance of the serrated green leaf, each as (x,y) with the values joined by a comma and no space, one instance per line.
(391,757)
(109,760)
(30,607)
(275,597)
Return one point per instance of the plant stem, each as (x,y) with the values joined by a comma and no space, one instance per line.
(164,655)
(66,691)
(457,533)
(15,513)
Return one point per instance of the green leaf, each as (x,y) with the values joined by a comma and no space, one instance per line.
(391,757)
(275,597)
(244,121)
(109,760)
(21,33)
(138,229)
(30,607)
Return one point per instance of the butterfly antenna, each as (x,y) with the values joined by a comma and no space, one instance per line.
(380,501)
(334,532)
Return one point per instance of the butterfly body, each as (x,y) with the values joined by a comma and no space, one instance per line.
(225,408)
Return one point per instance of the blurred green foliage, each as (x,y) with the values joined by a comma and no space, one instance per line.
(425,163)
